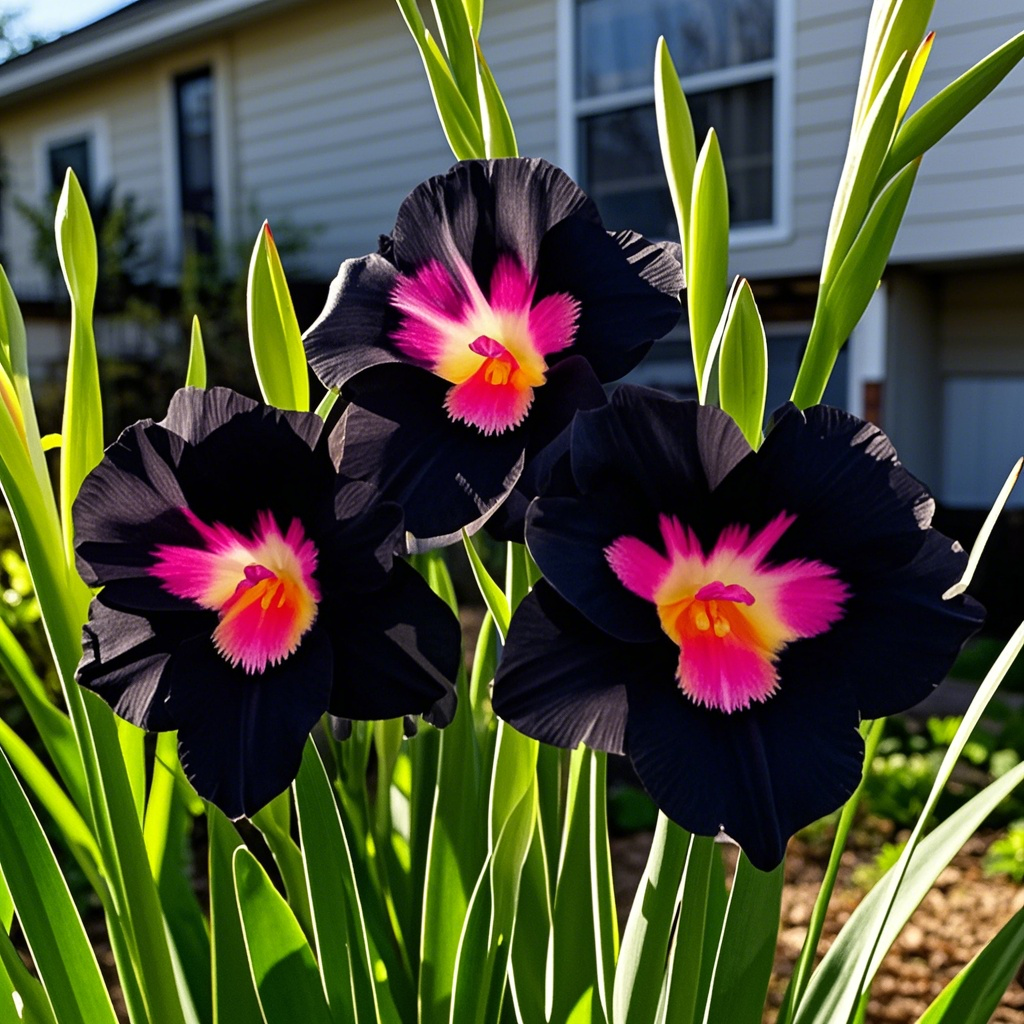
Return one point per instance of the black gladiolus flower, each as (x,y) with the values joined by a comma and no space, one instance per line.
(247,590)
(727,617)
(492,313)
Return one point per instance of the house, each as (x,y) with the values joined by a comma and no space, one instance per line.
(316,114)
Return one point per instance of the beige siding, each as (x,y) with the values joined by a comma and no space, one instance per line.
(969,196)
(127,149)
(335,123)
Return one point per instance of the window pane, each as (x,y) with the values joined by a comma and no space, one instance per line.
(195,154)
(622,167)
(615,39)
(73,153)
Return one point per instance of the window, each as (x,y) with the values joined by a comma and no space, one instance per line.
(726,51)
(194,109)
(76,153)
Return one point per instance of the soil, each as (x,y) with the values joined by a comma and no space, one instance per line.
(956,919)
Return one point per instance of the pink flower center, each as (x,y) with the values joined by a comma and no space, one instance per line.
(730,613)
(262,587)
(491,348)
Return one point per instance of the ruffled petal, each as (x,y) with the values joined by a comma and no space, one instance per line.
(564,682)
(483,209)
(240,737)
(445,475)
(126,659)
(355,329)
(397,651)
(627,289)
(758,775)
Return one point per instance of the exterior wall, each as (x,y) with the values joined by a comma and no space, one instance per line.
(969,196)
(335,122)
(323,123)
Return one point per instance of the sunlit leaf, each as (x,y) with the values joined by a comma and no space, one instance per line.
(707,256)
(917,66)
(499,135)
(460,47)
(948,108)
(274,335)
(675,132)
(283,969)
(195,376)
(494,598)
(743,365)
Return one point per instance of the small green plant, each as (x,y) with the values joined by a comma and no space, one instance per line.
(1006,855)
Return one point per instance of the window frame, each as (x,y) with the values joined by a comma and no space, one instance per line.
(95,130)
(572,108)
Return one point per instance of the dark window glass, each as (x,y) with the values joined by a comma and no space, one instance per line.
(73,153)
(615,40)
(194,95)
(622,168)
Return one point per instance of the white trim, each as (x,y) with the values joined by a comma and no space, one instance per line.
(95,128)
(867,350)
(565,85)
(181,19)
(780,68)
(217,59)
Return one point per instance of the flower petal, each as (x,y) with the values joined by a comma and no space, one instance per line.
(354,329)
(240,737)
(483,209)
(564,682)
(627,289)
(758,775)
(126,657)
(397,650)
(445,475)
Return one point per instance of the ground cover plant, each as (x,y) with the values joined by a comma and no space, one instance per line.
(396,830)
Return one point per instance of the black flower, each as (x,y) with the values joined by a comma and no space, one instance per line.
(493,312)
(247,590)
(727,617)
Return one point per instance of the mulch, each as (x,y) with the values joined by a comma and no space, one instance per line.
(963,911)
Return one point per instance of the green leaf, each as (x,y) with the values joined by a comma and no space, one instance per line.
(195,376)
(528,956)
(917,66)
(36,1007)
(461,49)
(455,855)
(743,365)
(274,336)
(980,542)
(584,931)
(944,111)
(494,598)
(82,427)
(342,943)
(640,971)
(743,964)
(678,144)
(54,932)
(895,28)
(499,135)
(869,143)
(485,661)
(167,833)
(54,801)
(282,966)
(973,995)
(274,822)
(849,966)
(701,902)
(460,126)
(842,303)
(475,13)
(234,997)
(707,252)
(52,724)
(323,410)
(14,349)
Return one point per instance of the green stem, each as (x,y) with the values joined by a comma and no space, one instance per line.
(818,362)
(802,970)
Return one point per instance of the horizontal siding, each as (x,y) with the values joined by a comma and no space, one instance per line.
(125,108)
(974,179)
(335,123)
